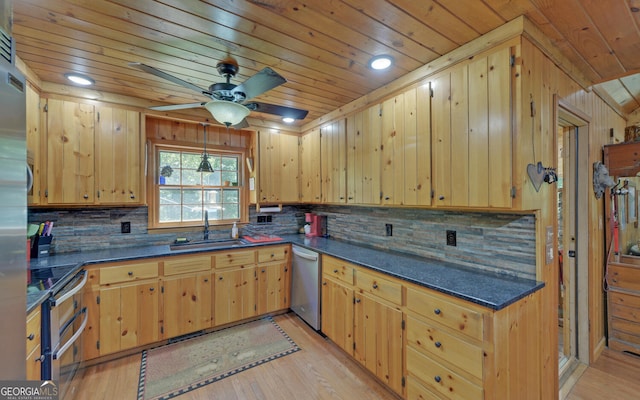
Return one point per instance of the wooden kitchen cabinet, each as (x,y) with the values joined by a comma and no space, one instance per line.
(279,169)
(273,285)
(70,153)
(337,312)
(186,295)
(35,143)
(235,294)
(34,349)
(310,167)
(118,160)
(406,148)
(364,130)
(623,277)
(471,133)
(333,162)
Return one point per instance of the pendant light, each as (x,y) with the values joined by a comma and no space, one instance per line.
(227,112)
(205,165)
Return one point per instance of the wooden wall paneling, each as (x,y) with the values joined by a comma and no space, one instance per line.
(410,147)
(479,133)
(423,150)
(499,110)
(459,150)
(387,151)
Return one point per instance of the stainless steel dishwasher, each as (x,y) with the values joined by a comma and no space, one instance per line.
(305,285)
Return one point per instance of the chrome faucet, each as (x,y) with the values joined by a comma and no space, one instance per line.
(206,225)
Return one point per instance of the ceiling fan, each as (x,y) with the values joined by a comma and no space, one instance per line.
(230,103)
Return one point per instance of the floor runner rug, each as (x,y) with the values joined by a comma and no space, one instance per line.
(177,368)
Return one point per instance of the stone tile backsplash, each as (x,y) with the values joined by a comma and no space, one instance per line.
(500,243)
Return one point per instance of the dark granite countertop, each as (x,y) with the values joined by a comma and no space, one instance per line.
(486,289)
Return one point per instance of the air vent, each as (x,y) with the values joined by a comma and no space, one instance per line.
(5,47)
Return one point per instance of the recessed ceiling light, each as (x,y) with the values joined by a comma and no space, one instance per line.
(379,62)
(288,120)
(79,79)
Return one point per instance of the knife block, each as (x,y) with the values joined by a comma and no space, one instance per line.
(40,246)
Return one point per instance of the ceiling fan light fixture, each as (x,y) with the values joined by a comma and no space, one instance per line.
(79,79)
(227,112)
(380,62)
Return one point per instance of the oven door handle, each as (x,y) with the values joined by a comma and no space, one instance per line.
(73,291)
(306,256)
(75,336)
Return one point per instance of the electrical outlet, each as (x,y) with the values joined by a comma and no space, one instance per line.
(388,229)
(125,227)
(451,238)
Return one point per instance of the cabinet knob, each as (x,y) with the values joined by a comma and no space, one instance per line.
(206,280)
(437,311)
(86,196)
(263,271)
(335,271)
(273,255)
(358,300)
(441,198)
(387,198)
(220,278)
(437,378)
(438,344)
(31,337)
(130,273)
(151,289)
(341,197)
(350,198)
(375,286)
(133,196)
(324,283)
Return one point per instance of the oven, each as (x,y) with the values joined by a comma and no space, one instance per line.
(64,319)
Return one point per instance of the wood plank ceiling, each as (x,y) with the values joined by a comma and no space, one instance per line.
(320,47)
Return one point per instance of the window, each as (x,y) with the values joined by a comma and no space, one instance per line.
(183,193)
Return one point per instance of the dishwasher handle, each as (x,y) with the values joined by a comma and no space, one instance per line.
(305,255)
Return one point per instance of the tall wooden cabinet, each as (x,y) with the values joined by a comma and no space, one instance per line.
(364,130)
(34,143)
(310,167)
(333,162)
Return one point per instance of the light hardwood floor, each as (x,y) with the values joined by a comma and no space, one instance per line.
(613,376)
(320,370)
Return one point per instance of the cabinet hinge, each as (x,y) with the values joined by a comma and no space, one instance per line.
(46,108)
(46,193)
(98,116)
(430,91)
(513,192)
(512,60)
(162,330)
(402,324)
(255,307)
(98,193)
(380,111)
(403,381)
(98,344)
(97,299)
(161,289)
(354,345)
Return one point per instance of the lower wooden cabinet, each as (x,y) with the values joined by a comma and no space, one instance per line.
(272,287)
(337,312)
(624,304)
(186,301)
(34,352)
(235,294)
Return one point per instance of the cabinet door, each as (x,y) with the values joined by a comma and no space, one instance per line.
(34,143)
(186,304)
(333,154)
(234,295)
(272,287)
(118,156)
(70,153)
(378,340)
(278,168)
(364,131)
(337,313)
(310,185)
(129,316)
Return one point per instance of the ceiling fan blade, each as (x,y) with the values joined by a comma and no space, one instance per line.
(242,124)
(173,107)
(170,78)
(283,111)
(259,83)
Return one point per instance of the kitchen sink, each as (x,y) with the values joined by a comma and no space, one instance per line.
(208,244)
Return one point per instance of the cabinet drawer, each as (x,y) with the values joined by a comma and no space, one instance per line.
(626,326)
(187,264)
(338,269)
(129,272)
(440,379)
(384,288)
(225,259)
(435,307)
(33,330)
(272,253)
(435,342)
(625,277)
(417,391)
(623,299)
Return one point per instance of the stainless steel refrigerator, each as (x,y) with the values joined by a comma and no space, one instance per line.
(13,214)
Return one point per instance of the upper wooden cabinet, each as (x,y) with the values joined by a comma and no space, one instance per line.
(333,161)
(70,153)
(310,181)
(118,159)
(278,171)
(364,130)
(34,143)
(471,133)
(93,154)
